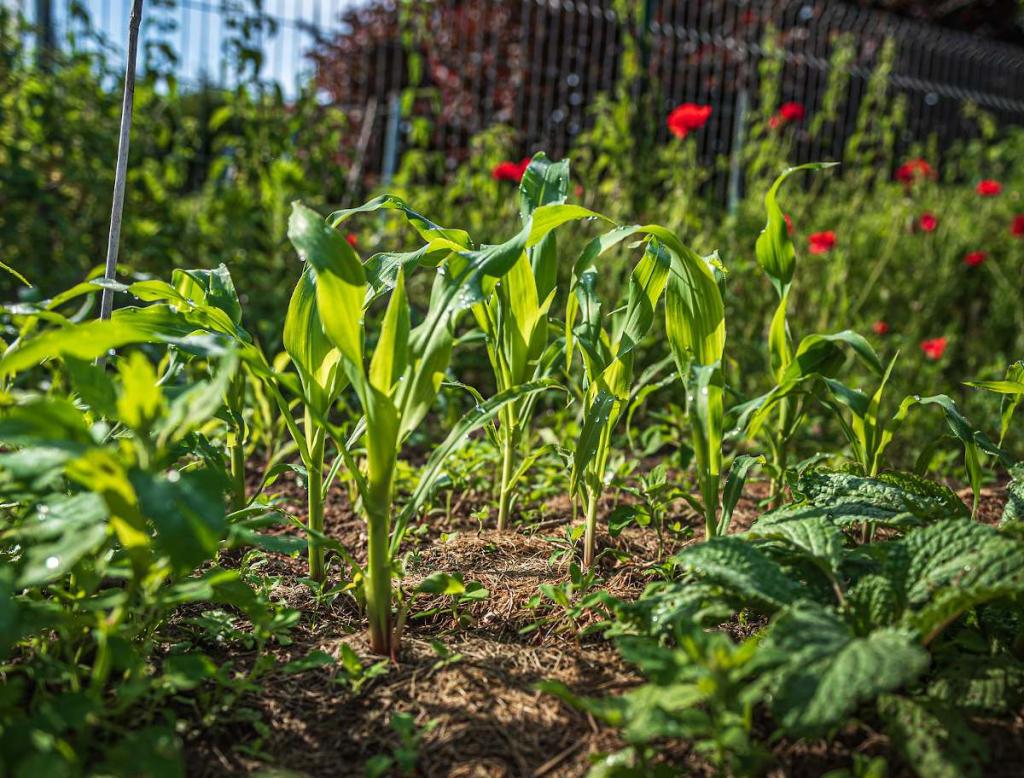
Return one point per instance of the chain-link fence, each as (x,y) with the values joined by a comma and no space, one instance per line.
(538,65)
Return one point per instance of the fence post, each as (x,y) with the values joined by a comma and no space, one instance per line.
(46,39)
(120,171)
(736,157)
(391,138)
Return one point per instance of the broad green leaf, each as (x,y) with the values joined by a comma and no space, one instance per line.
(821,671)
(741,571)
(62,532)
(958,565)
(544,183)
(427,229)
(821,355)
(817,538)
(140,402)
(694,313)
(442,584)
(933,737)
(211,287)
(187,512)
(314,356)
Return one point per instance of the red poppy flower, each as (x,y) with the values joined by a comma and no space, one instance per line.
(510,171)
(687,117)
(821,242)
(880,327)
(353,241)
(913,169)
(934,348)
(988,188)
(788,112)
(975,258)
(1017,226)
(789,224)
(578,190)
(928,222)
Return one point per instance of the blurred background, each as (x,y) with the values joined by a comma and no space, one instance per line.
(244,106)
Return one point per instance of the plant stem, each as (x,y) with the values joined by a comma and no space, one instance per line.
(709,491)
(505,495)
(588,537)
(238,499)
(315,498)
(378,580)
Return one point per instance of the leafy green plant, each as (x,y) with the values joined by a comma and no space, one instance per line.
(114,514)
(607,358)
(514,321)
(408,364)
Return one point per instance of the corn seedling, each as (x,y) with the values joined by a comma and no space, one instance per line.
(407,367)
(607,358)
(514,320)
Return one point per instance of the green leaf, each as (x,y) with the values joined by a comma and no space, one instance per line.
(183,672)
(314,356)
(544,183)
(442,584)
(596,421)
(738,472)
(694,312)
(775,253)
(957,565)
(821,671)
(933,738)
(741,570)
(822,355)
(312,661)
(391,355)
(427,229)
(188,513)
(62,532)
(816,537)
(340,280)
(1014,508)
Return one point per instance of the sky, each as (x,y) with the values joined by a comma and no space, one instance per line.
(196,30)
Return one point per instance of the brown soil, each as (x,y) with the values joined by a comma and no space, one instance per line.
(476,708)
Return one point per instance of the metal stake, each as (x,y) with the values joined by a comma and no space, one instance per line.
(134,22)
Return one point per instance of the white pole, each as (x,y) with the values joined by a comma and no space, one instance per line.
(107,298)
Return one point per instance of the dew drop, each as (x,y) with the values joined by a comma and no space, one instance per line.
(173,476)
(52,562)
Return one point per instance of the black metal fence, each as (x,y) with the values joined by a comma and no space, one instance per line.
(539,65)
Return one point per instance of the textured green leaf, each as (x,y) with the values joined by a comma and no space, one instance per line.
(816,537)
(1014,508)
(933,738)
(821,671)
(981,684)
(62,532)
(741,570)
(958,565)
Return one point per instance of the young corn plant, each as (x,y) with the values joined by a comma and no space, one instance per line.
(400,380)
(514,320)
(794,371)
(607,359)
